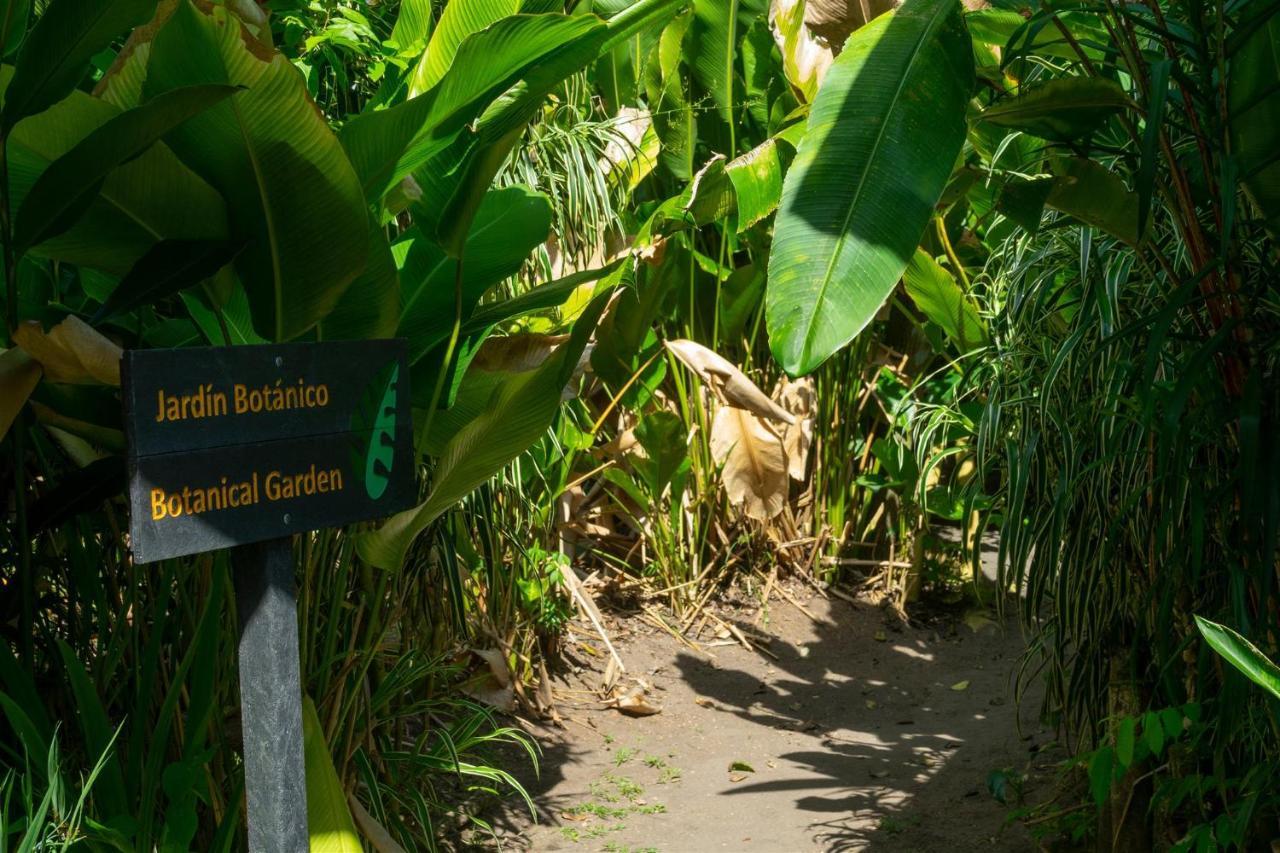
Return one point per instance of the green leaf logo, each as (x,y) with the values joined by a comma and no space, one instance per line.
(376,415)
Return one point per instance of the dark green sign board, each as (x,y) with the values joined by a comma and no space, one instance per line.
(232,445)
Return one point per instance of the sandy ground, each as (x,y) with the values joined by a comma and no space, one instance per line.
(863,734)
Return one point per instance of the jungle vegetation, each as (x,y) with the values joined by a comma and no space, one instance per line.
(696,291)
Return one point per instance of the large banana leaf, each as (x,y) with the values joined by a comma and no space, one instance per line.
(150,198)
(883,134)
(57,52)
(460,18)
(1096,196)
(292,192)
(520,411)
(64,190)
(386,145)
(458,183)
(1063,109)
(711,48)
(1254,97)
(370,306)
(511,223)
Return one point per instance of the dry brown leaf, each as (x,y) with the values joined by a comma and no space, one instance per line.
(19,374)
(72,352)
(797,396)
(499,698)
(634,704)
(731,385)
(497,665)
(833,20)
(375,832)
(516,353)
(754,462)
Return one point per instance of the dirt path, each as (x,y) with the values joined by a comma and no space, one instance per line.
(861,735)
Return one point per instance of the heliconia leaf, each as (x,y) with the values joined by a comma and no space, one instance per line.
(1253,93)
(57,51)
(1062,109)
(711,48)
(168,267)
(520,410)
(370,306)
(270,152)
(757,182)
(511,223)
(64,190)
(1242,654)
(329,823)
(413,27)
(1096,196)
(151,197)
(386,145)
(940,298)
(460,18)
(883,134)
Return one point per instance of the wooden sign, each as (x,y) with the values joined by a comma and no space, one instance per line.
(232,445)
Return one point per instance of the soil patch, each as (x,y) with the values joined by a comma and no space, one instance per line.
(856,732)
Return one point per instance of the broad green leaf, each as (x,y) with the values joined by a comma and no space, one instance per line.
(1100,770)
(669,103)
(1096,196)
(883,134)
(938,296)
(711,49)
(1153,732)
(270,152)
(63,191)
(13,22)
(552,294)
(805,60)
(1241,654)
(511,223)
(57,51)
(386,145)
(370,306)
(460,18)
(150,198)
(1005,28)
(757,182)
(329,822)
(231,318)
(481,152)
(413,27)
(519,412)
(1023,200)
(1063,109)
(1253,95)
(1126,740)
(168,267)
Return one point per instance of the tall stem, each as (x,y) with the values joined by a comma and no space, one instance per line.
(26,581)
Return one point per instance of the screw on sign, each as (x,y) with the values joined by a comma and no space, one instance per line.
(242,447)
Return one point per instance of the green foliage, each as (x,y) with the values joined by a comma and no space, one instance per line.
(882,134)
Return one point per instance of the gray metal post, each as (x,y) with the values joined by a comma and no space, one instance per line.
(271,697)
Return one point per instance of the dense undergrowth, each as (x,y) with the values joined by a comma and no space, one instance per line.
(693,294)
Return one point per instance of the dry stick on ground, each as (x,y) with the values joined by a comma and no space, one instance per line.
(791,599)
(657,620)
(588,607)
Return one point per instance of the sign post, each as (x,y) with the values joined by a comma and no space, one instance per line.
(242,447)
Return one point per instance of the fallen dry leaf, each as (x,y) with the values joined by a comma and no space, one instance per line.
(497,665)
(797,396)
(375,832)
